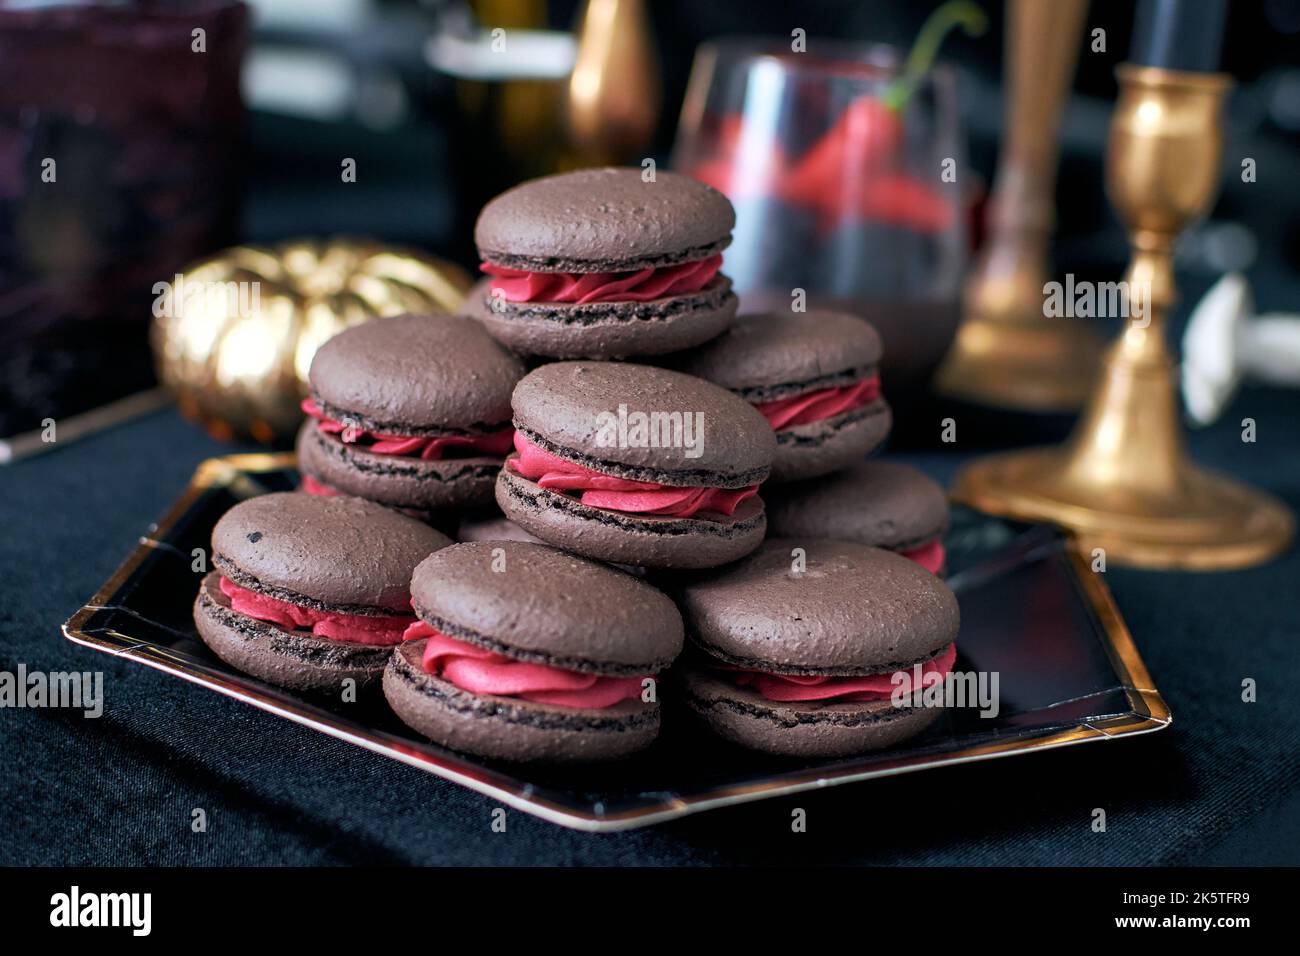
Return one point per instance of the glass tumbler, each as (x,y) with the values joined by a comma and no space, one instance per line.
(842,188)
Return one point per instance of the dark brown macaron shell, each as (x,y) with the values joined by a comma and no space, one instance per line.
(852,610)
(494,526)
(884,504)
(419,375)
(533,603)
(337,554)
(422,375)
(770,356)
(607,221)
(604,220)
(491,526)
(558,408)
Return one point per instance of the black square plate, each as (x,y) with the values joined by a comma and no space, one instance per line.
(1032,611)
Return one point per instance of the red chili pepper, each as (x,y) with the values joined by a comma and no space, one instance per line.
(865,137)
(903,200)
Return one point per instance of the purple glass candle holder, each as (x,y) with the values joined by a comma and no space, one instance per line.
(121,148)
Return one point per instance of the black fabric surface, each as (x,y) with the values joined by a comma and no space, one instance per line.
(1219,787)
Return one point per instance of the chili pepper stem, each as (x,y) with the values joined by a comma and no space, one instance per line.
(969,16)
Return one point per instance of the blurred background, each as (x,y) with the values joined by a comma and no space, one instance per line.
(165,154)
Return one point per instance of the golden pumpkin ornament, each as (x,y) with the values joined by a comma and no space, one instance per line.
(234,335)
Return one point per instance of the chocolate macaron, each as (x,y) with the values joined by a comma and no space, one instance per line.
(814,376)
(524,652)
(411,411)
(636,465)
(600,263)
(884,504)
(796,647)
(307,592)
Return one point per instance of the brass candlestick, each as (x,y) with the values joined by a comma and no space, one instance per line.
(1007,352)
(613,97)
(1123,480)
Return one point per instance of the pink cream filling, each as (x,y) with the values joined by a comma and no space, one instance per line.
(794,687)
(332,625)
(929,556)
(622,494)
(819,405)
(429,448)
(481,671)
(313,487)
(643,285)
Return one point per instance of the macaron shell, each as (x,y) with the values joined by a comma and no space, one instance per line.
(604,220)
(776,348)
(534,602)
(811,731)
(342,552)
(497,527)
(492,527)
(639,540)
(284,658)
(572,404)
(819,448)
(417,371)
(508,728)
(606,330)
(885,504)
(851,609)
(394,480)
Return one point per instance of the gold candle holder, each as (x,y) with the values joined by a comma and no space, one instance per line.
(613,96)
(1007,352)
(1123,480)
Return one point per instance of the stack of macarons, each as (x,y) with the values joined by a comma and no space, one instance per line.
(655,434)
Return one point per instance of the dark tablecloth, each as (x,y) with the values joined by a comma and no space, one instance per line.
(1221,786)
